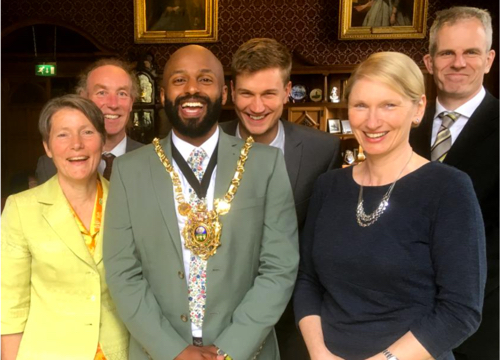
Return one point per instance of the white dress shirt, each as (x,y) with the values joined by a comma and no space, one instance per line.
(185,150)
(279,140)
(118,150)
(466,110)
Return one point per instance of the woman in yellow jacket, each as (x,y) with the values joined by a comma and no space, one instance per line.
(55,302)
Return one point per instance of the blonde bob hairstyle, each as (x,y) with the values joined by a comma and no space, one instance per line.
(396,70)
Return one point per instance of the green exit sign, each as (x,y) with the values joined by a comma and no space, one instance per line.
(45,70)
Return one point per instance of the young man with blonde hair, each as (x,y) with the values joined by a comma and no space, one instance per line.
(260,88)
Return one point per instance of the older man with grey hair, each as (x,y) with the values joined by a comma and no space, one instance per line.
(112,85)
(461,129)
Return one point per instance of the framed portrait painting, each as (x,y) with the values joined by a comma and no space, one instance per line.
(382,19)
(175,21)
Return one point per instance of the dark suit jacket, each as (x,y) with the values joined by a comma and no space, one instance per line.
(308,154)
(475,152)
(45,168)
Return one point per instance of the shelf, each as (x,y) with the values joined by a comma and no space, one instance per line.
(329,105)
(313,70)
(344,136)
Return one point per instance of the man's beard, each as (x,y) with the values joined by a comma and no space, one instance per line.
(193,128)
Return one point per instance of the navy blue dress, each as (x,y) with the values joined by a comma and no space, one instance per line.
(419,268)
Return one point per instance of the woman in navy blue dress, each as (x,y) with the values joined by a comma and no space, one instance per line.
(393,250)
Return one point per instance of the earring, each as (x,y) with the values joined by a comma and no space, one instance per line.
(417,121)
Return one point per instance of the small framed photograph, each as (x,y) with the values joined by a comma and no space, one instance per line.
(334,126)
(346,127)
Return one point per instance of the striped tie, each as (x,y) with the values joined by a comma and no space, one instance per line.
(443,139)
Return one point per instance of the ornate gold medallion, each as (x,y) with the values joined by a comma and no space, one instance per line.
(203,229)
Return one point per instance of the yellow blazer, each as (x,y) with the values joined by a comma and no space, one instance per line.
(53,291)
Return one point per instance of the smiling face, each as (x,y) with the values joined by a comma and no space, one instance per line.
(258,99)
(110,88)
(460,61)
(380,117)
(193,93)
(74,145)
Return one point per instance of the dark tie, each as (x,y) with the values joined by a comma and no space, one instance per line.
(108,159)
(443,139)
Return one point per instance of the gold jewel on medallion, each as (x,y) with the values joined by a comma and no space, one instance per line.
(184,209)
(203,229)
(221,206)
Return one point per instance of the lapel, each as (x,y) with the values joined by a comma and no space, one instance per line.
(229,127)
(163,188)
(128,145)
(480,125)
(227,157)
(427,130)
(293,153)
(98,248)
(132,145)
(58,215)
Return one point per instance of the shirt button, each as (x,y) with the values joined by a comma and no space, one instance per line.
(184,318)
(181,274)
(92,298)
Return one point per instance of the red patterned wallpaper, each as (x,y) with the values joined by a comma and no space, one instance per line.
(307,27)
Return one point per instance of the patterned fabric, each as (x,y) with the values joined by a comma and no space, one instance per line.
(197,291)
(443,139)
(89,237)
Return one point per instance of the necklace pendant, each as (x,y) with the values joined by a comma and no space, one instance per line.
(202,232)
(184,209)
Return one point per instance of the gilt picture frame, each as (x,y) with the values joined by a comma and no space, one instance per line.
(382,19)
(175,21)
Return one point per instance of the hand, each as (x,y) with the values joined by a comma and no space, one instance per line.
(213,349)
(192,352)
(325,355)
(363,7)
(393,19)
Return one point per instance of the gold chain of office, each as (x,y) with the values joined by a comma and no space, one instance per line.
(203,229)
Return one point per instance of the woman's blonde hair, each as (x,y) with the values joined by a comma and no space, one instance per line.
(396,70)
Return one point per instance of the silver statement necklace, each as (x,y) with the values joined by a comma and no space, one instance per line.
(365,220)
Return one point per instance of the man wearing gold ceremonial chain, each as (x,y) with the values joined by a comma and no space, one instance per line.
(200,236)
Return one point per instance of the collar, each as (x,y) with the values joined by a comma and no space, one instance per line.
(186,148)
(119,149)
(465,110)
(278,141)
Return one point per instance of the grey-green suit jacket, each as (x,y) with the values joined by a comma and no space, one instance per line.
(249,280)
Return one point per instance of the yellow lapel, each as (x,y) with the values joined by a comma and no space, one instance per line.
(58,215)
(99,239)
